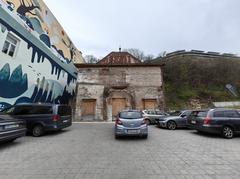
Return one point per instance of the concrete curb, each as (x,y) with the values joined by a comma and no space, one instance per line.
(93,122)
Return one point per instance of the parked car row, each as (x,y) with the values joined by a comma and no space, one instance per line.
(218,121)
(33,118)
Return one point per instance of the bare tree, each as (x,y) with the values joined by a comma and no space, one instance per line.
(90,59)
(136,53)
(162,54)
(148,57)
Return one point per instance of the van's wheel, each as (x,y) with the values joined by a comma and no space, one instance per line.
(171,125)
(37,130)
(227,132)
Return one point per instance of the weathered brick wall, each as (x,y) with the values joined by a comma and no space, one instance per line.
(89,91)
(134,76)
(101,82)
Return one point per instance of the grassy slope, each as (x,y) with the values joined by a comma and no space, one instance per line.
(189,78)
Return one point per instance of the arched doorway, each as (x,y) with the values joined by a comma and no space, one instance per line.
(118,100)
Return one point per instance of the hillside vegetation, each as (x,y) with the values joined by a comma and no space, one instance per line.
(192,81)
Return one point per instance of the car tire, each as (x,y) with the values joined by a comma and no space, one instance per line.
(11,140)
(147,121)
(145,136)
(37,130)
(227,132)
(200,132)
(171,125)
(117,137)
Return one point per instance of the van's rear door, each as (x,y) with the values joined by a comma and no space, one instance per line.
(65,113)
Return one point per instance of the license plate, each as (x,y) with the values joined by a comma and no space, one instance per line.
(65,121)
(133,131)
(193,122)
(11,126)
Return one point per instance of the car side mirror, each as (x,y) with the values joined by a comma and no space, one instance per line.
(184,115)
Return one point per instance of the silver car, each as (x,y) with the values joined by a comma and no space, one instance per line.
(177,119)
(131,123)
(152,116)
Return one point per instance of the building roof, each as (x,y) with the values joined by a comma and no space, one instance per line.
(119,58)
(92,65)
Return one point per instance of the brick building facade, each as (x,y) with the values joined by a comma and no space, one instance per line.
(104,89)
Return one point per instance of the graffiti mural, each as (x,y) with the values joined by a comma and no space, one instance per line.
(36,57)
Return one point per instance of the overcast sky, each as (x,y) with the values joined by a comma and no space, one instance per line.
(98,27)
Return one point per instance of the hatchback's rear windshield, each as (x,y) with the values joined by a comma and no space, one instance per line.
(64,110)
(130,115)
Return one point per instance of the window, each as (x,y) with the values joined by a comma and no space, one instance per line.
(159,113)
(202,114)
(218,114)
(176,113)
(199,114)
(10,45)
(41,110)
(231,114)
(130,115)
(152,112)
(64,110)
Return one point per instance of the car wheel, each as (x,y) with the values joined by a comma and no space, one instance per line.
(171,125)
(148,122)
(116,137)
(37,130)
(11,140)
(145,136)
(227,132)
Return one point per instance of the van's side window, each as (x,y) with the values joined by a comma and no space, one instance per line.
(41,110)
(21,110)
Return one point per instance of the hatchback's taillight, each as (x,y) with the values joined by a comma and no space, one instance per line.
(56,118)
(118,122)
(207,120)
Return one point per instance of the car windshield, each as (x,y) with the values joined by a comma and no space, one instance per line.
(130,115)
(176,113)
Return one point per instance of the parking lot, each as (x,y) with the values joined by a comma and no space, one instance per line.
(89,150)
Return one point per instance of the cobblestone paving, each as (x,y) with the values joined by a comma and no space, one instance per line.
(91,151)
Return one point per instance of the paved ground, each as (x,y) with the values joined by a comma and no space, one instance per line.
(90,151)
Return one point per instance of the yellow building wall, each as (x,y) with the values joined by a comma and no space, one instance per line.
(44,22)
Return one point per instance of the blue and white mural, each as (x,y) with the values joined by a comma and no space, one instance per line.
(36,55)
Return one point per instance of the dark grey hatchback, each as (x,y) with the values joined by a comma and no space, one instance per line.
(11,128)
(42,117)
